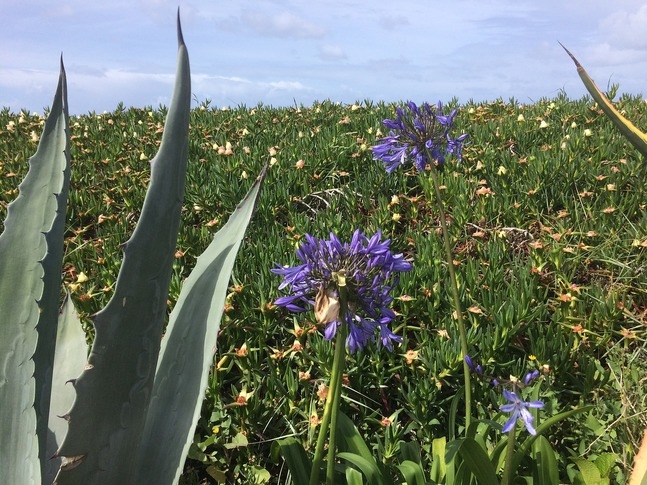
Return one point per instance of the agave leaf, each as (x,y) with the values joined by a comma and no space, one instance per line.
(636,137)
(69,359)
(188,348)
(44,356)
(113,392)
(23,250)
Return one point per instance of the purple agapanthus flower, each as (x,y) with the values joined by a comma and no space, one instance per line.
(420,135)
(519,410)
(371,272)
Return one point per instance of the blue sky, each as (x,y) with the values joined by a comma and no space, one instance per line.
(282,52)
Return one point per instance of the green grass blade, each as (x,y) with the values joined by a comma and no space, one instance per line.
(438,465)
(547,469)
(636,137)
(349,438)
(350,442)
(23,248)
(412,473)
(188,348)
(477,460)
(112,394)
(368,467)
(70,357)
(297,460)
(353,477)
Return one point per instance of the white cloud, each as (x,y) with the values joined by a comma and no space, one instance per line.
(606,54)
(234,90)
(391,22)
(329,52)
(626,29)
(282,24)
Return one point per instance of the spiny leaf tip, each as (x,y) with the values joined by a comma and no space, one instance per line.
(180,37)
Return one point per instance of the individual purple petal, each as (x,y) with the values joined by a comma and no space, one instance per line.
(530,376)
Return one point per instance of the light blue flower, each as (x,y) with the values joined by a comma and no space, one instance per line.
(519,410)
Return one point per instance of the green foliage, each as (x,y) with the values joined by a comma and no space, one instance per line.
(548,226)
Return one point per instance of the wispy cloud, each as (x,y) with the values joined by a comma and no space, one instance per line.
(627,29)
(330,52)
(284,51)
(281,24)
(393,22)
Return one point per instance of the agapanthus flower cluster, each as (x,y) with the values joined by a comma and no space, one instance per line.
(516,406)
(369,270)
(420,135)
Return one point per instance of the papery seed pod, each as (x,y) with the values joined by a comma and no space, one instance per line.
(326,306)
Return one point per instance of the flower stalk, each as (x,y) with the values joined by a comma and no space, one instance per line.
(348,286)
(421,135)
(456,296)
(331,410)
(509,457)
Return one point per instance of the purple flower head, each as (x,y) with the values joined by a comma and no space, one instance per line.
(370,271)
(420,135)
(519,410)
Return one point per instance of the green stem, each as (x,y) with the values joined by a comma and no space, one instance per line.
(331,410)
(338,368)
(457,302)
(509,457)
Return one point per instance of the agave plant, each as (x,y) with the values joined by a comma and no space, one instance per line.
(636,137)
(137,397)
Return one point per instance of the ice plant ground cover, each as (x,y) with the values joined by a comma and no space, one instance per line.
(548,219)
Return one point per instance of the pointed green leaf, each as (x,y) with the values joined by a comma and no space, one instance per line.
(438,465)
(636,137)
(477,460)
(351,443)
(298,462)
(605,462)
(349,438)
(188,348)
(113,392)
(353,477)
(368,467)
(546,467)
(49,305)
(69,360)
(23,250)
(412,473)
